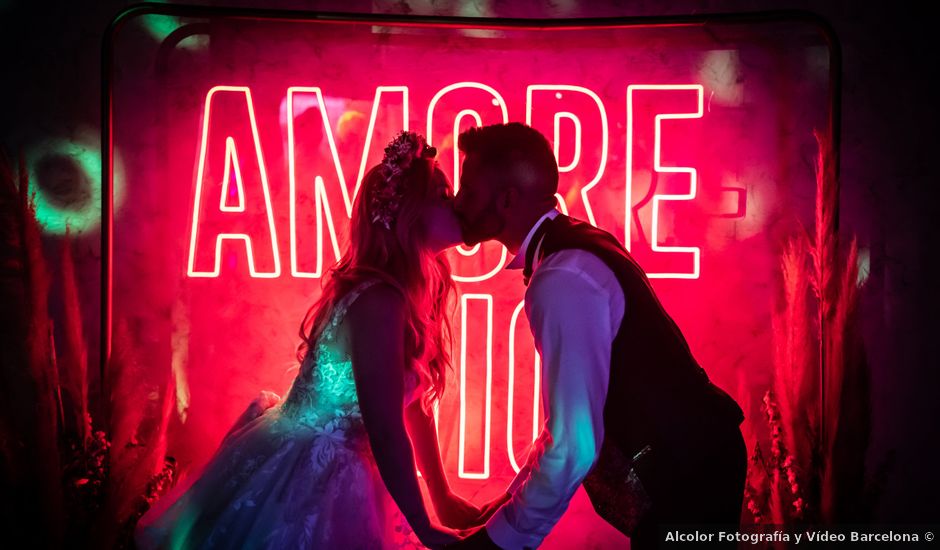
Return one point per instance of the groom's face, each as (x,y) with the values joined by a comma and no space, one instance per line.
(476,203)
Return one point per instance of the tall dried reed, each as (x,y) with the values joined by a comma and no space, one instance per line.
(73,358)
(140,413)
(30,425)
(818,421)
(62,478)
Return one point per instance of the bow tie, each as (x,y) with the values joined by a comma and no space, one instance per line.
(540,232)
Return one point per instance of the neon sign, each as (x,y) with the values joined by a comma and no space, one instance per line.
(225,219)
(657,164)
(680,140)
(328,219)
(556,103)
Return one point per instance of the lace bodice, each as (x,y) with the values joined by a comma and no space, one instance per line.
(324,388)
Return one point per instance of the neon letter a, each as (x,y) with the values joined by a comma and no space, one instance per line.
(232,201)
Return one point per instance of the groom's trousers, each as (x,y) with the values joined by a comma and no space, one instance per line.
(702,487)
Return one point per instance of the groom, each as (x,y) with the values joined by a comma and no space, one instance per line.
(616,372)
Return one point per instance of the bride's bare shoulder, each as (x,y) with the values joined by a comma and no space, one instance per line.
(374,327)
(377,306)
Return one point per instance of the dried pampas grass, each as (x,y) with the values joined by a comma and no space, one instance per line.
(818,409)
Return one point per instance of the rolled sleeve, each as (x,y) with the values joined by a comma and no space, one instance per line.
(570,316)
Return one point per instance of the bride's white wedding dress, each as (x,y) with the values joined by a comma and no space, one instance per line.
(299,475)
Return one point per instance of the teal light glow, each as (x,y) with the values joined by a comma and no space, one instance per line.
(161,26)
(82,215)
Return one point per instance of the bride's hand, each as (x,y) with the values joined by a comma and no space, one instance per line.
(435,537)
(457,512)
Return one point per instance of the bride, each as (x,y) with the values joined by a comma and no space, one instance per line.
(331,465)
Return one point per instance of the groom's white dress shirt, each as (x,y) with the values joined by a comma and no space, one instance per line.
(574,305)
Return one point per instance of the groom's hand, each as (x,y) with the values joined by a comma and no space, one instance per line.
(478,540)
(456,512)
(488,509)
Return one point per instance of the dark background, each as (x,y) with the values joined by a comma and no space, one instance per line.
(50,87)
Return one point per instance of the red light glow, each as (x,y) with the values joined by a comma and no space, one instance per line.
(250,153)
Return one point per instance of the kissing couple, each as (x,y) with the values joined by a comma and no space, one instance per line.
(629,413)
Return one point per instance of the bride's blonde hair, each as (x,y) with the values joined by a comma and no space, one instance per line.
(396,255)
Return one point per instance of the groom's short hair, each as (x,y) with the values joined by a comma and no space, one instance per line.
(506,146)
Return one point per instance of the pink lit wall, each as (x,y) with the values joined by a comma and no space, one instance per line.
(241,154)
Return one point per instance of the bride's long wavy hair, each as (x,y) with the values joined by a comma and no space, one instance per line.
(396,255)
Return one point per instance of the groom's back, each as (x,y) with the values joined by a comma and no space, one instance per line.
(658,394)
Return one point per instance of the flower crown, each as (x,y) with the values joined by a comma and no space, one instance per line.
(399,154)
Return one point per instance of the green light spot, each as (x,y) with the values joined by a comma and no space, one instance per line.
(55,214)
(161,26)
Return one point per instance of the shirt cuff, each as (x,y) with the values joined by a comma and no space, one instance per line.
(504,535)
(520,478)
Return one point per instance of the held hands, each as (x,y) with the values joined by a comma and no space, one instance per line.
(474,540)
(457,512)
(437,537)
(465,518)
(490,507)
(477,538)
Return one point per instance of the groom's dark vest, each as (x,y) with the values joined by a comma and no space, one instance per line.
(658,395)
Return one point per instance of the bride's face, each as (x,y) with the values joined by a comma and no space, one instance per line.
(438,221)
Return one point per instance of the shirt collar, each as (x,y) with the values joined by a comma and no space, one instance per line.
(518,262)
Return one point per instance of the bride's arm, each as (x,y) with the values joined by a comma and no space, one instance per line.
(424,437)
(452,510)
(376,329)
